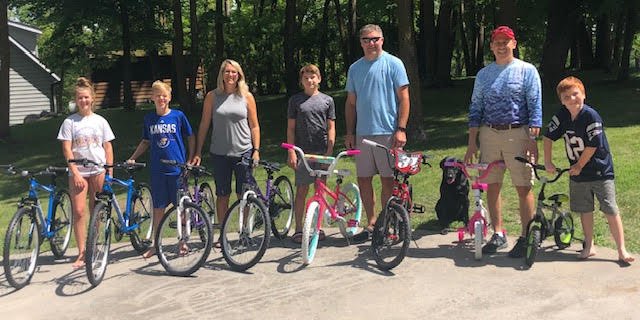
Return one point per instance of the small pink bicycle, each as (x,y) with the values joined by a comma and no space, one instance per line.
(345,207)
(479,222)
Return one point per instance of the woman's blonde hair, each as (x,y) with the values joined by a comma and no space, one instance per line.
(242,88)
(84,83)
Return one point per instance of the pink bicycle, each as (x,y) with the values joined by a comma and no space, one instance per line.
(479,222)
(345,208)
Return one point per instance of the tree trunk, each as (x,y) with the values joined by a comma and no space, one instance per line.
(344,37)
(479,43)
(585,45)
(126,56)
(290,47)
(463,39)
(354,40)
(629,33)
(445,45)
(428,30)
(603,42)
(560,31)
(4,70)
(219,57)
(195,54)
(177,54)
(322,59)
(617,43)
(408,55)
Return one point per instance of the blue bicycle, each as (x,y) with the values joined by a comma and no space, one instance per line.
(29,226)
(134,221)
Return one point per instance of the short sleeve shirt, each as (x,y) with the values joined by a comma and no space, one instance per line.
(312,114)
(87,135)
(165,135)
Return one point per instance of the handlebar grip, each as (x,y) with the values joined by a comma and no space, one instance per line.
(169,162)
(353,152)
(287,146)
(370,143)
(521,159)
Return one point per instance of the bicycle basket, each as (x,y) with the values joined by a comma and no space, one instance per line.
(407,163)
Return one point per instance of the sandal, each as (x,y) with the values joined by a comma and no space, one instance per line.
(297,237)
(322,236)
(149,253)
(79,264)
(363,236)
(184,249)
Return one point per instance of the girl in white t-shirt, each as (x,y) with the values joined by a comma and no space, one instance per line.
(87,135)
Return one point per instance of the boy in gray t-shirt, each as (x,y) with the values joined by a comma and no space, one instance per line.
(311,126)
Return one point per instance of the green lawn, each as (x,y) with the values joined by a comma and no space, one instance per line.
(35,146)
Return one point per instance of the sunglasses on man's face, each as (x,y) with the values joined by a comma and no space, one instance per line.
(370,40)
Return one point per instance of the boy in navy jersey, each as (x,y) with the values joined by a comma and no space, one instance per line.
(591,163)
(163,132)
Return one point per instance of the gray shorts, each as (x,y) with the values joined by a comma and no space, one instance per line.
(581,196)
(302,174)
(374,160)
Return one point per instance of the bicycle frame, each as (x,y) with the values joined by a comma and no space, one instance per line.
(108,195)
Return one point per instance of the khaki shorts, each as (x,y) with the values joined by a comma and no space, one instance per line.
(374,160)
(506,145)
(581,196)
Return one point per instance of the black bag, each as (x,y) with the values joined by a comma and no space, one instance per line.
(453,204)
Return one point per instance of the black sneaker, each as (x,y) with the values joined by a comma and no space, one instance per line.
(363,236)
(519,249)
(496,242)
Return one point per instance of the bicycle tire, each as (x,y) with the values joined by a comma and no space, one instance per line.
(310,233)
(478,236)
(20,265)
(98,244)
(61,224)
(391,237)
(563,230)
(245,234)
(183,252)
(533,243)
(352,204)
(208,201)
(281,207)
(142,215)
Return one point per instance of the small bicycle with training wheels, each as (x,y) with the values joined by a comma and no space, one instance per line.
(29,226)
(479,222)
(346,201)
(392,232)
(561,222)
(134,221)
(185,234)
(245,235)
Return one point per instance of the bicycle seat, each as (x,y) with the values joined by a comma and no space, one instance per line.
(559,198)
(342,172)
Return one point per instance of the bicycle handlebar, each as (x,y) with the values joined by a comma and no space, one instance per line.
(128,166)
(537,167)
(485,168)
(201,170)
(375,144)
(48,171)
(332,164)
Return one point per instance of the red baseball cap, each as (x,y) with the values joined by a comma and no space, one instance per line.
(504,30)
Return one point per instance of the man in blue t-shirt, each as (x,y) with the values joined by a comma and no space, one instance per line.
(377,108)
(505,116)
(163,131)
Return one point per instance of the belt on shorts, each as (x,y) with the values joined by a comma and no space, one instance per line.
(504,126)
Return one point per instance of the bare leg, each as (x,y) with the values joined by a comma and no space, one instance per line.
(587,227)
(525,197)
(157,216)
(368,198)
(617,231)
(78,206)
(387,189)
(222,205)
(494,202)
(301,196)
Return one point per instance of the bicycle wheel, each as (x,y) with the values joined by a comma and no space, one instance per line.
(281,207)
(349,202)
(533,243)
(208,201)
(61,224)
(142,215)
(563,230)
(310,232)
(245,234)
(391,237)
(21,247)
(478,236)
(184,239)
(96,257)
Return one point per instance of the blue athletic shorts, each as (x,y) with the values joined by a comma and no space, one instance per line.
(163,189)
(224,166)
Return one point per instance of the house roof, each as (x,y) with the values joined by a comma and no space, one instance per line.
(32,57)
(24,27)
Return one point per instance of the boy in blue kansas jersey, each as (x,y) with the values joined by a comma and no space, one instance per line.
(591,164)
(163,131)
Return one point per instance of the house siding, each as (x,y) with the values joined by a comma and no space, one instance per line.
(27,97)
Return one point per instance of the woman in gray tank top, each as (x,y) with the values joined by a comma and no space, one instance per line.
(230,110)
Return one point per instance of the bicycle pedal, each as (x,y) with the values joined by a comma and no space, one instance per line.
(418,208)
(352,223)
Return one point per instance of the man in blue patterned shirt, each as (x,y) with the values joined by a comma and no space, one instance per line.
(505,116)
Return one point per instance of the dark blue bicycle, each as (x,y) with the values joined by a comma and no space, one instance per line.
(135,220)
(29,226)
